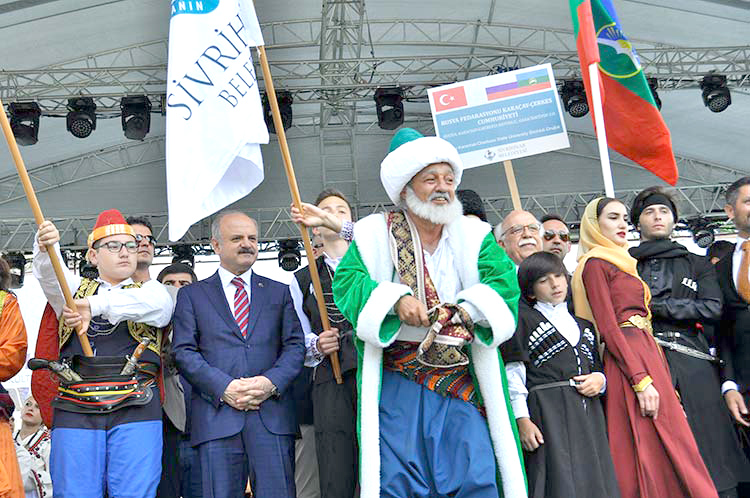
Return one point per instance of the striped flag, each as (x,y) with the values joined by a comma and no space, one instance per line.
(634,124)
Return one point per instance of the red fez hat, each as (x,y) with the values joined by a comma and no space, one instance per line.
(109,222)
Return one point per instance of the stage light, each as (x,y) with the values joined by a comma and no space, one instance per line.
(183,253)
(573,95)
(136,116)
(716,95)
(81,118)
(17,263)
(289,255)
(653,84)
(390,107)
(285,101)
(24,121)
(703,231)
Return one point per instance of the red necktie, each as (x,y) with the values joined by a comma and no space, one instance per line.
(241,305)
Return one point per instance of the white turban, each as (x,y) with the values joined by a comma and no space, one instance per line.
(410,153)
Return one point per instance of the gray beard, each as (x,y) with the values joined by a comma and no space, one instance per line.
(439,215)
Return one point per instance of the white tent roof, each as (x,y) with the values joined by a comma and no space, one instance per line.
(52,49)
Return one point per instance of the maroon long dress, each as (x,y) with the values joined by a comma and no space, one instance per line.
(653,458)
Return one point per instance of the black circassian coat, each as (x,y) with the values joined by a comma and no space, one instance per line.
(687,298)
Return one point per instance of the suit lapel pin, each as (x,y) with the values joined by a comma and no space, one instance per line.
(260,284)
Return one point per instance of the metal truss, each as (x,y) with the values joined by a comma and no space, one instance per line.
(341,37)
(276,224)
(131,154)
(467,49)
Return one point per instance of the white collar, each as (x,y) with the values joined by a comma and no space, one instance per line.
(107,285)
(226,276)
(332,262)
(738,244)
(549,310)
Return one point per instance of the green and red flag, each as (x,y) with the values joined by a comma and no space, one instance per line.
(633,122)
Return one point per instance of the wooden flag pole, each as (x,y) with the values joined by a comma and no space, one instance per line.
(601,132)
(39,218)
(512,186)
(291,178)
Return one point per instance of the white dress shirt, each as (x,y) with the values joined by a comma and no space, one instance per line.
(737,258)
(729,385)
(313,357)
(230,289)
(150,304)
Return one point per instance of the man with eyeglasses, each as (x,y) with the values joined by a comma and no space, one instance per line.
(144,236)
(106,430)
(556,235)
(520,235)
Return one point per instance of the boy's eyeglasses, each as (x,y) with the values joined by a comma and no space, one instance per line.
(115,246)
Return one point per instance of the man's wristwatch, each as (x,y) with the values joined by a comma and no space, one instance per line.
(274,392)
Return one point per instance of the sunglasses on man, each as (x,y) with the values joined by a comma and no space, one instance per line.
(150,239)
(550,234)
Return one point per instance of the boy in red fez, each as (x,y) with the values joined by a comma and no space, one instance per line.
(106,429)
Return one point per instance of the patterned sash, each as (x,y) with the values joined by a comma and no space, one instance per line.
(440,362)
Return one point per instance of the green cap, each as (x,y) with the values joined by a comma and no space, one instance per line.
(402,136)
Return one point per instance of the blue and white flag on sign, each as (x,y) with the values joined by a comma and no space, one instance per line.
(214,113)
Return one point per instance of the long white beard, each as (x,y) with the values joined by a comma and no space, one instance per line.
(438,214)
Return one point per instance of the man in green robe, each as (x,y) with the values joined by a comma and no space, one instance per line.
(431,297)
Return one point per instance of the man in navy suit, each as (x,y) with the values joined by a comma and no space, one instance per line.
(238,341)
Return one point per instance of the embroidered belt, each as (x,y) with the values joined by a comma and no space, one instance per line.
(686,350)
(639,322)
(551,385)
(102,388)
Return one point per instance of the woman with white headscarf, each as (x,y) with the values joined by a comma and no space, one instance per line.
(653,449)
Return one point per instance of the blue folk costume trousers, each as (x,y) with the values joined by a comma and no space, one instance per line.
(432,446)
(118,452)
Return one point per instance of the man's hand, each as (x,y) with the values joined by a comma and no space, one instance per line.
(649,402)
(235,390)
(328,341)
(47,235)
(79,319)
(412,311)
(737,407)
(530,435)
(258,389)
(313,216)
(589,385)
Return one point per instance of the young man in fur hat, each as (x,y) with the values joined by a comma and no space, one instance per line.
(685,300)
(431,297)
(106,431)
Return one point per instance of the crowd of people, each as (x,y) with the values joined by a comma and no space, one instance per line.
(453,359)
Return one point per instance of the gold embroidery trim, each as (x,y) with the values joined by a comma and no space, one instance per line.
(138,331)
(3,294)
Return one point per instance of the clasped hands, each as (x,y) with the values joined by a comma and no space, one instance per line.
(248,393)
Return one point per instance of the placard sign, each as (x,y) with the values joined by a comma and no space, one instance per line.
(500,117)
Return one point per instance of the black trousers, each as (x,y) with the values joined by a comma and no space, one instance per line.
(335,419)
(169,486)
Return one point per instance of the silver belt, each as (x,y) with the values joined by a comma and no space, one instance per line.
(688,351)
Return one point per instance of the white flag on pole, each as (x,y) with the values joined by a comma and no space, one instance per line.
(215,119)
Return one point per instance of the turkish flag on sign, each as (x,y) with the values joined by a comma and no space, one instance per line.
(449,99)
